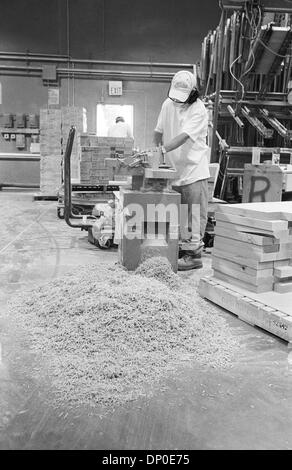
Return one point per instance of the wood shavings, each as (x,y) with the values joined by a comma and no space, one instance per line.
(107,336)
(159,268)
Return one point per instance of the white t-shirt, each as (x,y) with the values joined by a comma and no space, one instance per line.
(192,158)
(120,129)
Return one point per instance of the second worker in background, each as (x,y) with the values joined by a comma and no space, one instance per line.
(120,129)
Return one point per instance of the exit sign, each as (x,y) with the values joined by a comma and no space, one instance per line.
(115,88)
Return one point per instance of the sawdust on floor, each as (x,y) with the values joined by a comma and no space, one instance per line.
(160,269)
(107,336)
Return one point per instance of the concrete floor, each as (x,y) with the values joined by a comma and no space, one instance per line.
(248,406)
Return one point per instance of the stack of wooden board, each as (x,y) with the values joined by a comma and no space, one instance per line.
(93,169)
(245,266)
(94,151)
(253,246)
(50,149)
(55,124)
(73,116)
(113,145)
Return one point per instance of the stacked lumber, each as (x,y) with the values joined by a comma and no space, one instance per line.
(50,150)
(73,116)
(94,151)
(120,145)
(55,125)
(253,246)
(93,169)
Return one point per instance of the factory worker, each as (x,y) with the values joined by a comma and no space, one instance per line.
(120,129)
(182,131)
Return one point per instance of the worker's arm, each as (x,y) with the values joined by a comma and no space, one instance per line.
(176,142)
(157,138)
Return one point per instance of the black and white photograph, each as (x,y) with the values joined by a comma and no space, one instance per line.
(146,228)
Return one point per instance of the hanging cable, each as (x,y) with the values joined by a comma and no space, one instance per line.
(236,79)
(103,29)
(250,68)
(272,51)
(262,42)
(73,86)
(68,48)
(254,25)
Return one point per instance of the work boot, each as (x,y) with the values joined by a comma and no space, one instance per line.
(188,262)
(181,253)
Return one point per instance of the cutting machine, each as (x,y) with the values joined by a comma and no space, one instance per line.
(146,218)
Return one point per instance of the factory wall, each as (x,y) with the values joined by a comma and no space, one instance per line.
(28,95)
(144,96)
(163,30)
(129,30)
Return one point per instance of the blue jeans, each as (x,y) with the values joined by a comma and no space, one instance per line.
(195,196)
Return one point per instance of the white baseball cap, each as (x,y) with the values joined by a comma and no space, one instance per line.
(183,82)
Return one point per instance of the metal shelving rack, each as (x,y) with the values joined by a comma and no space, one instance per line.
(245,72)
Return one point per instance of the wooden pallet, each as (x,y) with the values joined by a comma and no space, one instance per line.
(256,309)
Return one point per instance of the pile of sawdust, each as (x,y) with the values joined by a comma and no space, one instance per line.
(159,268)
(107,336)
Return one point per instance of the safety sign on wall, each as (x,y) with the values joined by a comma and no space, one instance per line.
(115,88)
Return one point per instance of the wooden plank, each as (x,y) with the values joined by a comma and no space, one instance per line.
(271,299)
(243,268)
(251,262)
(243,246)
(232,269)
(282,235)
(283,272)
(252,253)
(260,210)
(264,287)
(257,313)
(282,262)
(252,238)
(283,287)
(271,225)
(244,279)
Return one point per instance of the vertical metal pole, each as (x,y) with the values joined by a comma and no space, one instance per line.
(67,184)
(67,176)
(218,82)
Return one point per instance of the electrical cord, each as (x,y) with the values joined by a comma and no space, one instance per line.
(255,21)
(254,31)
(260,40)
(252,40)
(236,79)
(250,68)
(272,51)
(68,47)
